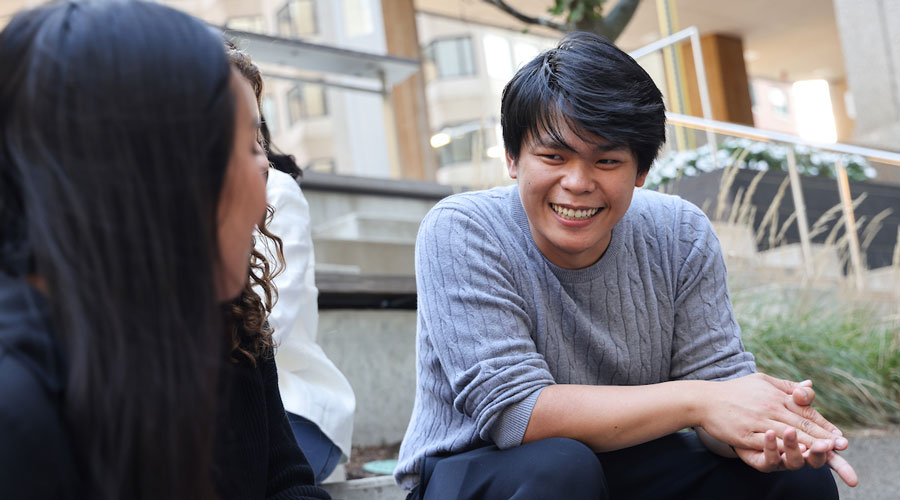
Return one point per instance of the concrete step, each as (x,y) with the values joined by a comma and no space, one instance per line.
(364,227)
(370,488)
(368,257)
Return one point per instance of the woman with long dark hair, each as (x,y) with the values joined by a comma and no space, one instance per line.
(129,189)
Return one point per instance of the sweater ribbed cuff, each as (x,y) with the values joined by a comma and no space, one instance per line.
(513,421)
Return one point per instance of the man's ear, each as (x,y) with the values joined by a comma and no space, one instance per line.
(641,178)
(511,166)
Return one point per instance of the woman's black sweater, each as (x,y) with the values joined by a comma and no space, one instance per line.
(256,456)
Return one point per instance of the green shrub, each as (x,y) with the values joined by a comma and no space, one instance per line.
(851,353)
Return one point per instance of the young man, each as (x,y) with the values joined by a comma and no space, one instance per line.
(569,326)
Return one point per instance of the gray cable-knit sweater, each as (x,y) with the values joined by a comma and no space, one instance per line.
(497,322)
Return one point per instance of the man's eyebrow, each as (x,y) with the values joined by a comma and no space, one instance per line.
(550,142)
(605,148)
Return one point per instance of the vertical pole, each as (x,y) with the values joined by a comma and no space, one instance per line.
(800,209)
(703,85)
(390,130)
(850,223)
(671,62)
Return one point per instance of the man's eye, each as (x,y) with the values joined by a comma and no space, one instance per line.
(608,161)
(551,156)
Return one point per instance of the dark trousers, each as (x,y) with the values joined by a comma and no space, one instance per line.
(321,452)
(673,467)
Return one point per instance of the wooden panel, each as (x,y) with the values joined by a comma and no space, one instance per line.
(417,159)
(726,76)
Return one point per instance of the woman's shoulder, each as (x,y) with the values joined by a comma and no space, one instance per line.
(26,401)
(35,455)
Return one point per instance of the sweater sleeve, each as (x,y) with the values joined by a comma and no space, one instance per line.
(707,339)
(475,322)
(289,474)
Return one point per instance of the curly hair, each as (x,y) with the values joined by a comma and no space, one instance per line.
(251,335)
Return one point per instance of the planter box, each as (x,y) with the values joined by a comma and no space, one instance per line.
(820,194)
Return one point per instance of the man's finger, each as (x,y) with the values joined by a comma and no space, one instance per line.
(773,458)
(784,385)
(843,469)
(806,419)
(818,453)
(803,395)
(793,458)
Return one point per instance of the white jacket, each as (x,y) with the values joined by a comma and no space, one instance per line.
(311,386)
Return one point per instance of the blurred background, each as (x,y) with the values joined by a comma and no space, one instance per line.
(784,126)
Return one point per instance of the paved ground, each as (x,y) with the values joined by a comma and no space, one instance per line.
(874,454)
(876,458)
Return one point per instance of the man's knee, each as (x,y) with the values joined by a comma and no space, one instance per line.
(805,483)
(563,468)
(550,468)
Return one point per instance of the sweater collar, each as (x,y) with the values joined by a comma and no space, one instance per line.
(603,266)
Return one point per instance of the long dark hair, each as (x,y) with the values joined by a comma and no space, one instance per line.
(116,124)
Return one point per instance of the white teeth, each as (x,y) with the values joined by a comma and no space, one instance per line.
(568,213)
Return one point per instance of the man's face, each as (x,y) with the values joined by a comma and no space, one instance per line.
(574,193)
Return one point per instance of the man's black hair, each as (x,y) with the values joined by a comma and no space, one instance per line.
(589,85)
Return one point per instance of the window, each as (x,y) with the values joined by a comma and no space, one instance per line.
(325,165)
(752,96)
(295,104)
(466,147)
(306,101)
(253,24)
(358,18)
(523,53)
(779,101)
(270,113)
(297,18)
(497,57)
(452,57)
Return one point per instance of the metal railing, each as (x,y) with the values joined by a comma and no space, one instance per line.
(711,127)
(843,185)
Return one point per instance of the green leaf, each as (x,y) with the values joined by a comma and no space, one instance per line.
(559,7)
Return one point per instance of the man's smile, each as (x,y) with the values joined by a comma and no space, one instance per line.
(574,213)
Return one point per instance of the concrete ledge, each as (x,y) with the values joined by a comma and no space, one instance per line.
(317,181)
(370,488)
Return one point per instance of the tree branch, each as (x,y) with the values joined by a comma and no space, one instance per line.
(618,19)
(502,5)
(612,25)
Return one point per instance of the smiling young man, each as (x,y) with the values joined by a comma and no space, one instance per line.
(570,325)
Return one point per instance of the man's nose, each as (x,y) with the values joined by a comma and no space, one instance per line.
(577,178)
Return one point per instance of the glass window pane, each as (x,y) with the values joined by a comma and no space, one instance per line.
(303,17)
(270,114)
(314,101)
(524,52)
(453,57)
(497,57)
(297,18)
(253,24)
(283,19)
(295,105)
(358,17)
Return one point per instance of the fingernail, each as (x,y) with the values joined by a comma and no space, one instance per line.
(841,442)
(838,432)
